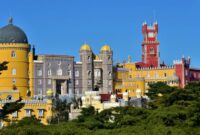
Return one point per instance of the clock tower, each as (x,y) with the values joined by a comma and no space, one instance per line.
(150,45)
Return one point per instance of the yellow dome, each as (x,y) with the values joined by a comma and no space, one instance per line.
(106,48)
(49,92)
(85,47)
(97,57)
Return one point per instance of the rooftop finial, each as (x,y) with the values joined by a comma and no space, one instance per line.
(10,20)
(129,59)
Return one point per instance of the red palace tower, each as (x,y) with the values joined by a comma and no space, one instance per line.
(150,46)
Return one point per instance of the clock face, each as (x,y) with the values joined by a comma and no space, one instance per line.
(150,34)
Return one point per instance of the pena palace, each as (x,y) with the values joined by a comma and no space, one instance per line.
(37,79)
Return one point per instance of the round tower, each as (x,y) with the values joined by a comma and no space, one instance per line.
(14,49)
(106,56)
(86,57)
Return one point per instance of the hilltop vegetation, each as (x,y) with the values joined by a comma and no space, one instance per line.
(176,112)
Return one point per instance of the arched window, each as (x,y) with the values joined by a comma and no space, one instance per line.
(89,73)
(69,73)
(89,58)
(49,72)
(77,73)
(14,71)
(110,74)
(151,50)
(13,54)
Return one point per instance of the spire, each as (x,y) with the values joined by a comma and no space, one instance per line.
(129,59)
(10,20)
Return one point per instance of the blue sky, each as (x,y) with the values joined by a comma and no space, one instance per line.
(62,26)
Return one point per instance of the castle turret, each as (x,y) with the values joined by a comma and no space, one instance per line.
(106,55)
(150,45)
(86,57)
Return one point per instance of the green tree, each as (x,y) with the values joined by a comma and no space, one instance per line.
(60,111)
(159,88)
(3,66)
(9,107)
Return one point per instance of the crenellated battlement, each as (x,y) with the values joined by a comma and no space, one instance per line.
(156,68)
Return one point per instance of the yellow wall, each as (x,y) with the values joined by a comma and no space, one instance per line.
(128,78)
(20,63)
(34,106)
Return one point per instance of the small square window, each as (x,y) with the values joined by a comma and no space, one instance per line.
(15,114)
(41,113)
(28,113)
(49,81)
(14,81)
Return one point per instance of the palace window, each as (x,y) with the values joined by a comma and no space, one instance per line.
(165,74)
(39,81)
(89,73)
(49,72)
(77,82)
(49,65)
(14,81)
(39,72)
(148,75)
(77,73)
(151,50)
(13,71)
(41,113)
(69,73)
(28,112)
(15,114)
(156,75)
(110,74)
(13,54)
(89,58)
(39,90)
(99,73)
(68,66)
(49,81)
(108,57)
(59,71)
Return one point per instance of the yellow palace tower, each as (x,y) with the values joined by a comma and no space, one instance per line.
(17,80)
(14,49)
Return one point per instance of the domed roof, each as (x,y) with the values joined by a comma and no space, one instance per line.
(97,57)
(12,34)
(106,48)
(49,92)
(85,47)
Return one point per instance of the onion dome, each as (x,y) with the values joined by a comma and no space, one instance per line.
(12,34)
(106,48)
(85,47)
